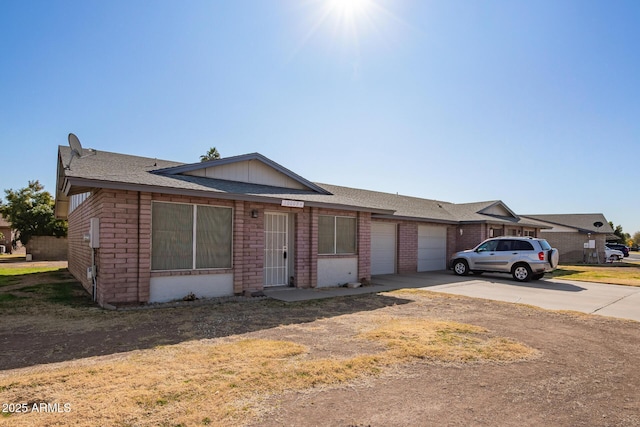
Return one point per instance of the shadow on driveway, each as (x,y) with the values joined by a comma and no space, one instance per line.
(446,278)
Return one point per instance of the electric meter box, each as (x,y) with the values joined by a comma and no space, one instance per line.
(94,233)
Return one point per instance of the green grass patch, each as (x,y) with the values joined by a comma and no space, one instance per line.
(5,298)
(65,293)
(11,276)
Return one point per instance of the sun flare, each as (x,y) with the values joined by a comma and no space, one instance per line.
(349,29)
(350,9)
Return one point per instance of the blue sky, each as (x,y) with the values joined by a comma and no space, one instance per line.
(535,103)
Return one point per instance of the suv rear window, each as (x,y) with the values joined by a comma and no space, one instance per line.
(521,245)
(545,245)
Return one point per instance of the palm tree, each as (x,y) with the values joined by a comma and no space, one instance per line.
(212,154)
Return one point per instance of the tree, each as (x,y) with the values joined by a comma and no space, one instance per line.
(30,211)
(636,239)
(212,154)
(621,234)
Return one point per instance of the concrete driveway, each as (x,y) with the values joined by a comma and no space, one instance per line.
(554,294)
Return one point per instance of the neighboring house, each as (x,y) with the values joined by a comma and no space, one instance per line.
(160,230)
(570,233)
(7,234)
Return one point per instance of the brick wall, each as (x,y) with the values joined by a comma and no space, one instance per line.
(305,252)
(313,248)
(252,271)
(472,235)
(452,241)
(79,252)
(407,249)
(48,248)
(571,245)
(124,257)
(238,244)
(364,246)
(121,224)
(144,247)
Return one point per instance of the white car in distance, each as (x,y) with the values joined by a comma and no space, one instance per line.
(612,255)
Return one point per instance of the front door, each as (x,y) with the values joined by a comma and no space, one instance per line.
(275,249)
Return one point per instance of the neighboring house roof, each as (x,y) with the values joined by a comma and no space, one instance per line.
(489,212)
(583,223)
(100,169)
(4,223)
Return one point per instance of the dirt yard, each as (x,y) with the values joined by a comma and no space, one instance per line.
(585,372)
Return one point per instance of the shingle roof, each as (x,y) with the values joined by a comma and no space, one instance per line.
(101,169)
(112,170)
(582,222)
(403,206)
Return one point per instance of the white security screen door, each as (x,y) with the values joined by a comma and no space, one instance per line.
(275,249)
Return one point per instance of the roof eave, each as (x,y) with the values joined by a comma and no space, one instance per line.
(82,185)
(413,218)
(485,221)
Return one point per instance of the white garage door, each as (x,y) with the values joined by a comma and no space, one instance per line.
(383,248)
(432,248)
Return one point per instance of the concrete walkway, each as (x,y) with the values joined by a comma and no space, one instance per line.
(554,294)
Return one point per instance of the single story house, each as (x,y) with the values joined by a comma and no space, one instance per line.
(6,236)
(578,237)
(143,230)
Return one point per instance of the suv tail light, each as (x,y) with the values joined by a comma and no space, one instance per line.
(541,256)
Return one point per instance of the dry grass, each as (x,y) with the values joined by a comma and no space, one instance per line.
(222,382)
(623,273)
(443,341)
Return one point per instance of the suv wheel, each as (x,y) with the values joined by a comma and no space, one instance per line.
(460,267)
(521,272)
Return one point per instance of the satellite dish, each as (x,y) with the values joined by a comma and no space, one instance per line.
(76,147)
(76,150)
(597,224)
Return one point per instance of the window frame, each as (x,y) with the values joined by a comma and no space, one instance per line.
(194,234)
(335,235)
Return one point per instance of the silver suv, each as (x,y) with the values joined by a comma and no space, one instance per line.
(526,258)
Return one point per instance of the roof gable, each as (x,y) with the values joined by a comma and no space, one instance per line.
(479,211)
(498,208)
(249,168)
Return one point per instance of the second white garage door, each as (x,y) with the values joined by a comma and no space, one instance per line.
(383,248)
(432,247)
